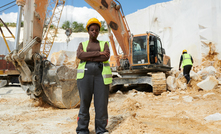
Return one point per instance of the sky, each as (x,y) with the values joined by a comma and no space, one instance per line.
(78,10)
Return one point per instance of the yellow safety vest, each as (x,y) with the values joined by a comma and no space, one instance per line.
(106,72)
(186,60)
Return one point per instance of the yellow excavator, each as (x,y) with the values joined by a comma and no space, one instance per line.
(8,73)
(143,61)
(56,85)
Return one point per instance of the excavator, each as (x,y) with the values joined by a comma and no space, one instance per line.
(143,60)
(8,73)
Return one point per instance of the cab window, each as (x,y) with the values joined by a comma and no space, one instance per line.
(159,47)
(139,47)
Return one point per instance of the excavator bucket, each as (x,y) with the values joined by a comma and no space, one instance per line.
(59,80)
(60,86)
(56,83)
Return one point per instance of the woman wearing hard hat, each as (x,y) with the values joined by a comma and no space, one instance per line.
(93,77)
(187,63)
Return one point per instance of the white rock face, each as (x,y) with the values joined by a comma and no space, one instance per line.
(181,24)
(209,83)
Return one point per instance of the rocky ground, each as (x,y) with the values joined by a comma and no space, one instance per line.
(133,112)
(193,108)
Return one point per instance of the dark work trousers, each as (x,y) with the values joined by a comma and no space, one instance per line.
(186,72)
(92,83)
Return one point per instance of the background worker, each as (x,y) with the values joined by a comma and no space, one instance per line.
(93,77)
(187,63)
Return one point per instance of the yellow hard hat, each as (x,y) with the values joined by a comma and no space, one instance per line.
(184,50)
(93,21)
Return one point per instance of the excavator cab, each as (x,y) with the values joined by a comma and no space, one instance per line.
(156,51)
(146,51)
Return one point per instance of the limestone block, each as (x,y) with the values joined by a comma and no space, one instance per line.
(194,75)
(213,117)
(197,96)
(170,94)
(171,83)
(218,76)
(187,98)
(119,92)
(174,72)
(209,83)
(182,92)
(207,63)
(211,70)
(181,83)
(174,97)
(208,71)
(180,75)
(208,94)
(67,58)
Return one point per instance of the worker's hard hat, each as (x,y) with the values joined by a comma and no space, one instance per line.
(184,50)
(93,21)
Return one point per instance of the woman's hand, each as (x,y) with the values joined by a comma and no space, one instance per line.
(105,53)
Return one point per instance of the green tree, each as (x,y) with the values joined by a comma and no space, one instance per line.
(78,27)
(66,25)
(103,26)
(52,26)
(22,24)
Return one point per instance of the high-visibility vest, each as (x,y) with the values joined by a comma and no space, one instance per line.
(106,72)
(186,60)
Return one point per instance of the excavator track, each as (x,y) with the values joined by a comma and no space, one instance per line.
(159,83)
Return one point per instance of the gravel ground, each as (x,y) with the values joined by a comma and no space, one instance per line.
(132,112)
